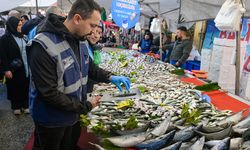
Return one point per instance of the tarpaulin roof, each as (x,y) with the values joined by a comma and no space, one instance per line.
(189,10)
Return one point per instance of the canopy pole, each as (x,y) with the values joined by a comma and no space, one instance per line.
(36,7)
(237,67)
(160,49)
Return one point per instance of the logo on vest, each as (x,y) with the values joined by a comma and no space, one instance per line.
(67,62)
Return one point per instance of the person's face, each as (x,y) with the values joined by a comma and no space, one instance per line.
(19,27)
(179,34)
(95,36)
(147,37)
(23,20)
(86,27)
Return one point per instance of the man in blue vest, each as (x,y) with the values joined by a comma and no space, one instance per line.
(60,69)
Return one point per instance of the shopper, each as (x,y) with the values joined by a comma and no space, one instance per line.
(145,44)
(14,64)
(24,19)
(182,48)
(60,68)
(94,52)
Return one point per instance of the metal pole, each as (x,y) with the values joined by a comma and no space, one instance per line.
(36,7)
(160,49)
(237,67)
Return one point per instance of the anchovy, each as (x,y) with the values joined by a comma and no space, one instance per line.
(162,127)
(216,135)
(198,145)
(156,143)
(128,140)
(222,145)
(175,146)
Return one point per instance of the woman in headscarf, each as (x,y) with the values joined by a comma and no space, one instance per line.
(15,66)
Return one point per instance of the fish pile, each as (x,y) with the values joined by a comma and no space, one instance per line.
(169,114)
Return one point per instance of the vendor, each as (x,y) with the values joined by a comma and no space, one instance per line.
(145,44)
(182,48)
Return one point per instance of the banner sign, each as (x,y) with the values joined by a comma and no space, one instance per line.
(125,13)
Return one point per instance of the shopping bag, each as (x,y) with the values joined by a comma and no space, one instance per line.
(229,16)
(155,26)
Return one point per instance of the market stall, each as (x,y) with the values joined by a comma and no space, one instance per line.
(164,101)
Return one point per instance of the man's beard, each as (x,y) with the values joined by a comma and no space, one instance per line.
(82,38)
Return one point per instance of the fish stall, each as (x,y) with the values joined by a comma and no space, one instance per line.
(160,111)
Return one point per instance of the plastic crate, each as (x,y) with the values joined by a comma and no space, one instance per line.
(193,65)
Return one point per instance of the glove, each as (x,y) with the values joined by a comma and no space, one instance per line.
(117,80)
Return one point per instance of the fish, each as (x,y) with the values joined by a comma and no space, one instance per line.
(198,145)
(185,135)
(162,127)
(156,143)
(175,146)
(216,135)
(246,145)
(235,118)
(235,143)
(222,145)
(128,140)
(211,129)
(245,123)
(140,129)
(97,146)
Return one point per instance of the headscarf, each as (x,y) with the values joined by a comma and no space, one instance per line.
(12,24)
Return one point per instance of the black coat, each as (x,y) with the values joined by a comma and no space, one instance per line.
(17,87)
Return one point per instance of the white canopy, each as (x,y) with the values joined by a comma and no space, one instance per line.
(10,4)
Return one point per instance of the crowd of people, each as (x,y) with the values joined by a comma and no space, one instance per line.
(47,62)
(175,53)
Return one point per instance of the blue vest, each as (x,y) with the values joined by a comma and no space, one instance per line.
(145,45)
(72,80)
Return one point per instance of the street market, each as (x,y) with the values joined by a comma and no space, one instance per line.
(125,75)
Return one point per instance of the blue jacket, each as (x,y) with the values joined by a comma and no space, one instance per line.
(145,45)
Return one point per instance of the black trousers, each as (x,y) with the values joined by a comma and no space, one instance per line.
(59,138)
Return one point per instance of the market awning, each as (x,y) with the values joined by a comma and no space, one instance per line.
(24,3)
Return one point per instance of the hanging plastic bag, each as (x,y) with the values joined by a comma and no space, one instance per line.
(229,16)
(155,26)
(97,57)
(138,26)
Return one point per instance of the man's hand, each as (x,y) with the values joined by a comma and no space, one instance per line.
(95,101)
(177,64)
(139,48)
(117,80)
(8,74)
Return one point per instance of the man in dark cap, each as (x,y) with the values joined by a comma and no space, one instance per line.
(182,48)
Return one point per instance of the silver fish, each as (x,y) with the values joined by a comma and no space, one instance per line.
(185,135)
(245,123)
(235,118)
(198,145)
(235,143)
(156,143)
(216,135)
(246,145)
(128,140)
(162,127)
(222,145)
(175,146)
(211,129)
